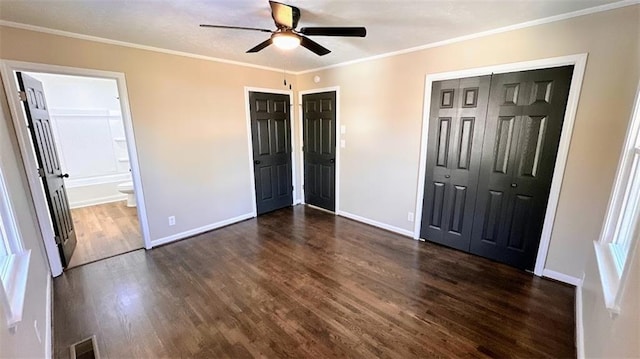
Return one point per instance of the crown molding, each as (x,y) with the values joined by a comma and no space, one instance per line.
(546,20)
(103,40)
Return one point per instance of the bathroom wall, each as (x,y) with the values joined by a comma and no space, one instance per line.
(87,124)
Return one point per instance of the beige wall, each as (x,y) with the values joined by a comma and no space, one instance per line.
(23,341)
(606,336)
(382,103)
(188,118)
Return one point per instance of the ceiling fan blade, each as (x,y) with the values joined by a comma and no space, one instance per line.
(235,28)
(313,46)
(284,15)
(334,31)
(260,46)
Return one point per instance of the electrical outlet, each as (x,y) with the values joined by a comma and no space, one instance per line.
(343,129)
(343,144)
(35,327)
(172,220)
(410,217)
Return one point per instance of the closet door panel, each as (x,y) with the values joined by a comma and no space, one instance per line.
(523,127)
(456,128)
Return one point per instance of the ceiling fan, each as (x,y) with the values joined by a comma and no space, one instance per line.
(287,37)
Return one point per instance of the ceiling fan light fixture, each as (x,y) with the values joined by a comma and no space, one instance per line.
(285,40)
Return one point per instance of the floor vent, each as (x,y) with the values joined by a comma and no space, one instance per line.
(85,349)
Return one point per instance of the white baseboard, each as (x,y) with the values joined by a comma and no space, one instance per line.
(579,324)
(48,333)
(320,208)
(193,232)
(371,222)
(96,201)
(561,277)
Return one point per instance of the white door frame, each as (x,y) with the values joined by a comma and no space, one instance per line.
(579,61)
(247,90)
(8,69)
(335,89)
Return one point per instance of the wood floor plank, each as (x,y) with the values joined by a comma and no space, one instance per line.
(302,283)
(103,231)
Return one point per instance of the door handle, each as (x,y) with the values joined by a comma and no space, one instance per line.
(447,176)
(257,162)
(333,160)
(514,185)
(66,175)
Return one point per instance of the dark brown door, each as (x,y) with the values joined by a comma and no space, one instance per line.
(35,107)
(271,135)
(456,127)
(524,123)
(319,128)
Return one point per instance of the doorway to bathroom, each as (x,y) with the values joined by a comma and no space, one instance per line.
(82,132)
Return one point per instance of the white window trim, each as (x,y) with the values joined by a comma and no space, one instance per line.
(614,257)
(14,267)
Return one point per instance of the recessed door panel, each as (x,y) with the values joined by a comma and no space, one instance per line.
(466,142)
(263,140)
(492,216)
(327,145)
(533,131)
(457,212)
(437,205)
(281,137)
(270,133)
(443,142)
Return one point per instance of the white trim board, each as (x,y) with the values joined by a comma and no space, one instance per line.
(579,324)
(8,69)
(252,179)
(561,277)
(579,62)
(335,89)
(546,20)
(103,40)
(374,223)
(96,201)
(48,333)
(199,230)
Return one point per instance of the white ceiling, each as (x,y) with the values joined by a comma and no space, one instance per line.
(392,25)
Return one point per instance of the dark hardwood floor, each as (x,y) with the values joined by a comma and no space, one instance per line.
(103,231)
(301,283)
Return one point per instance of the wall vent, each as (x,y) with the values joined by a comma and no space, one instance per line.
(85,349)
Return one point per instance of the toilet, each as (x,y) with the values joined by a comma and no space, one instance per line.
(127,188)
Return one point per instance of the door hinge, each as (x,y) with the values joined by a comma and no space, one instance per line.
(292,190)
(58,240)
(41,172)
(23,96)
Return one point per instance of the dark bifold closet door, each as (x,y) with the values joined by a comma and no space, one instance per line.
(524,123)
(35,107)
(491,153)
(271,136)
(456,127)
(319,147)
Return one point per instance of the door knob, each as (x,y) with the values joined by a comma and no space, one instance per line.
(514,185)
(66,175)
(447,176)
(257,162)
(333,160)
